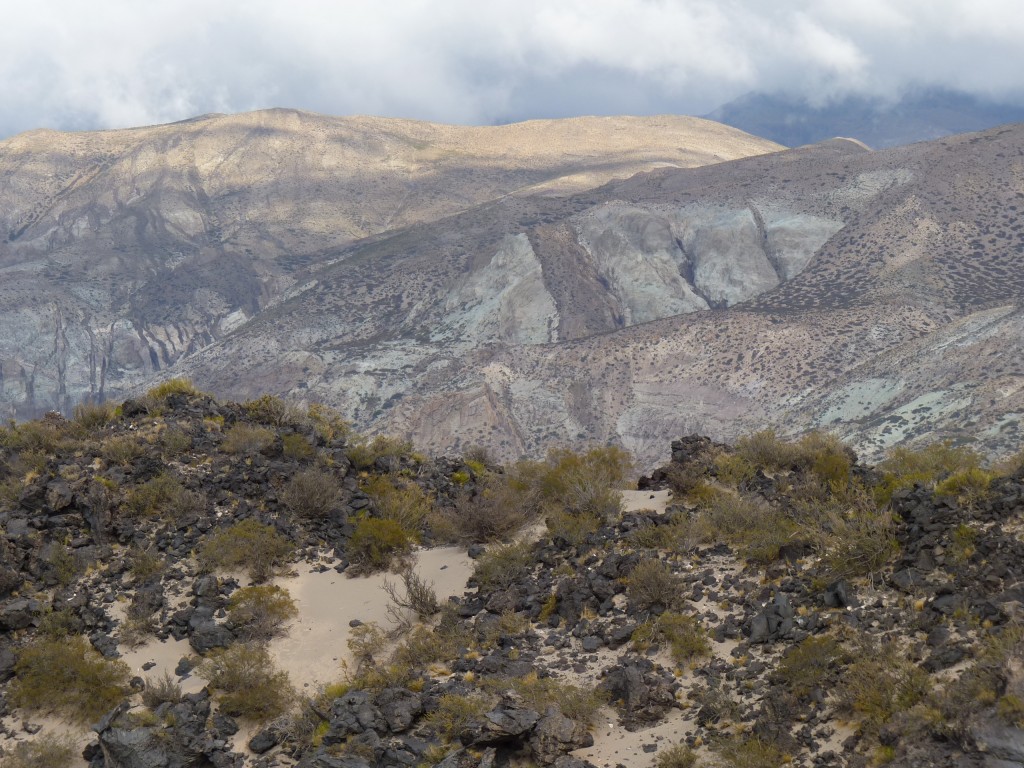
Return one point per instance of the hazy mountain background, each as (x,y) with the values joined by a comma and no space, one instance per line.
(919,114)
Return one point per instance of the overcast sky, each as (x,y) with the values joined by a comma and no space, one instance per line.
(114,63)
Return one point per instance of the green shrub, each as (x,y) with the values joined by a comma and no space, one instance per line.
(502,566)
(684,635)
(495,513)
(572,527)
(853,540)
(586,483)
(766,450)
(246,438)
(810,664)
(60,624)
(962,543)
(733,470)
(423,647)
(676,756)
(47,750)
(375,543)
(67,676)
(144,563)
(249,684)
(312,493)
(399,500)
(298,447)
(260,613)
(62,564)
(651,583)
(122,449)
(164,496)
(250,545)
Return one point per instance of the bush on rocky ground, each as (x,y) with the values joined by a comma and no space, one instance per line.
(248,545)
(376,543)
(685,637)
(161,690)
(164,496)
(398,499)
(247,682)
(246,438)
(502,565)
(47,750)
(312,493)
(65,675)
(260,612)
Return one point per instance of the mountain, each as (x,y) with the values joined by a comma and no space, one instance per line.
(876,294)
(918,115)
(122,251)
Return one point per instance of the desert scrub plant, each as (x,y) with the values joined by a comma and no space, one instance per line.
(419,596)
(143,564)
(260,612)
(652,584)
(328,424)
(174,441)
(455,713)
(502,566)
(968,486)
(164,496)
(312,493)
(275,412)
(494,513)
(48,750)
(685,637)
(575,702)
(904,467)
(250,545)
(676,756)
(249,684)
(810,664)
(376,543)
(121,449)
(161,690)
(398,499)
(587,483)
(390,451)
(92,416)
(296,446)
(65,675)
(246,438)
(855,539)
(424,646)
(740,751)
(176,386)
(881,683)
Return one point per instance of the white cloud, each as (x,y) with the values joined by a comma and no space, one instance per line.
(64,63)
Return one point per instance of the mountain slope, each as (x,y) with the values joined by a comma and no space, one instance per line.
(122,251)
(863,292)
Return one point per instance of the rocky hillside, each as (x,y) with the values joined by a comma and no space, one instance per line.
(122,251)
(764,604)
(876,294)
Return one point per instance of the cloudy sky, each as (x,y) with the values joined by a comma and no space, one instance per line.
(114,63)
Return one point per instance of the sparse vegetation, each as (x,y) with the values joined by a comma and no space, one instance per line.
(502,565)
(455,712)
(652,583)
(48,750)
(808,666)
(880,683)
(676,756)
(685,637)
(164,496)
(398,499)
(245,438)
(161,690)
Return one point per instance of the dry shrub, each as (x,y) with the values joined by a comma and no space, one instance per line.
(250,545)
(246,438)
(390,451)
(122,449)
(419,597)
(881,683)
(312,493)
(853,539)
(261,612)
(91,416)
(455,713)
(48,750)
(904,467)
(161,690)
(651,583)
(275,412)
(684,635)
(177,386)
(398,499)
(810,664)
(164,496)
(495,513)
(375,543)
(502,566)
(249,684)
(67,676)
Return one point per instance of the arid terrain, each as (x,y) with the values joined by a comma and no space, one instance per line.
(519,287)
